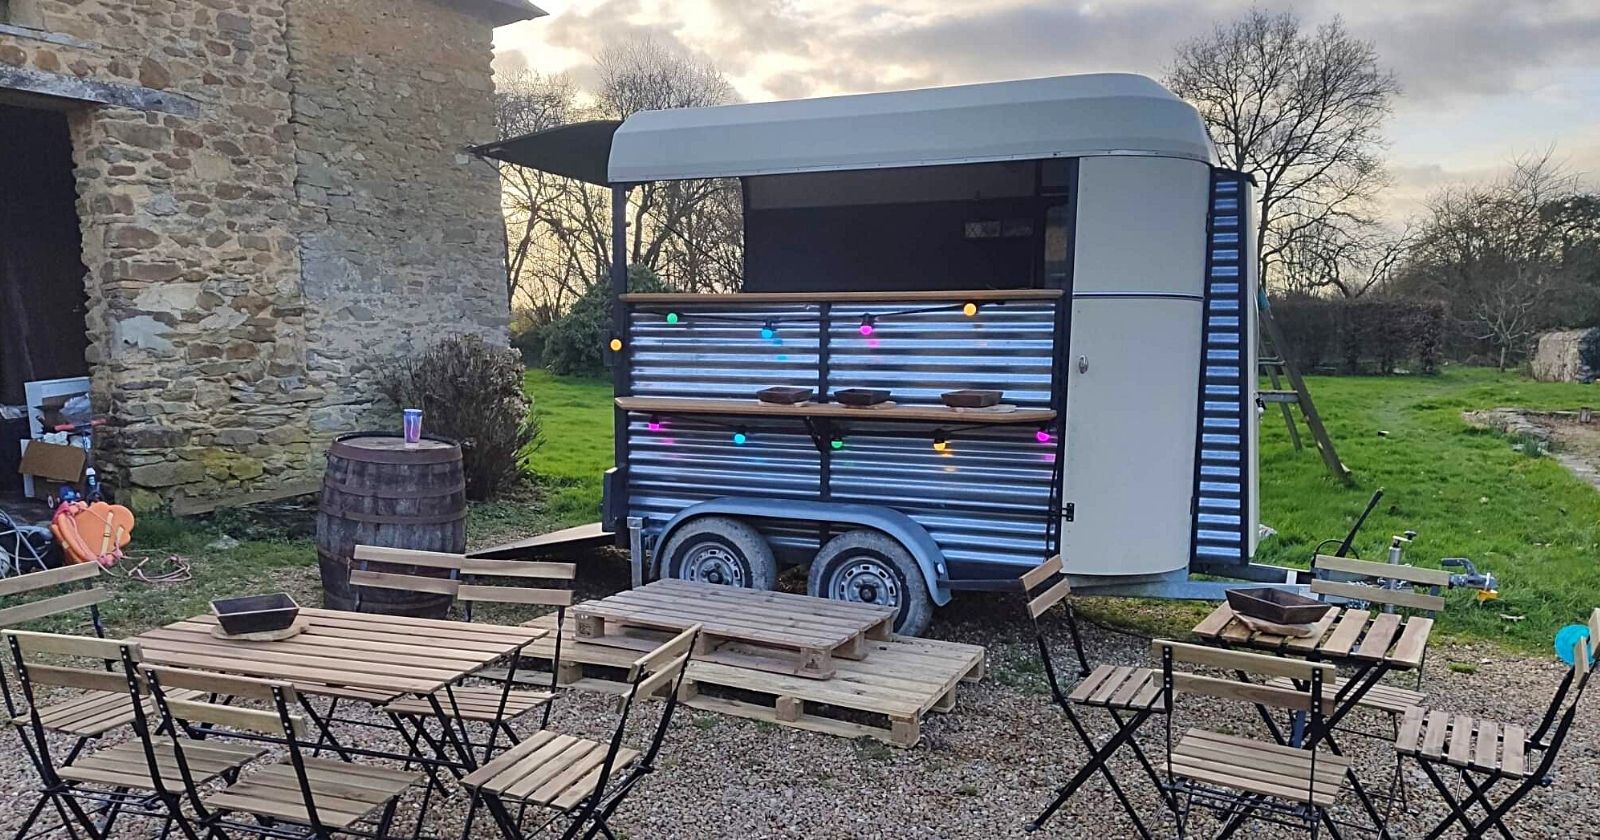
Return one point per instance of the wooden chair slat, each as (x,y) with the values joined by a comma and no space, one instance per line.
(1050,598)
(407,557)
(1514,761)
(667,651)
(516,595)
(519,568)
(1391,571)
(234,717)
(225,685)
(1376,595)
(34,581)
(409,583)
(1253,663)
(1413,644)
(1243,692)
(84,678)
(662,678)
(1040,573)
(23,613)
(87,647)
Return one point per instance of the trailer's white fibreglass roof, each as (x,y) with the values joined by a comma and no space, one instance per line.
(1064,116)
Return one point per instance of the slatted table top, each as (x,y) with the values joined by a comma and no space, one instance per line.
(382,656)
(1343,634)
(777,619)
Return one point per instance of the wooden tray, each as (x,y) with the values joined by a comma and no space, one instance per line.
(299,626)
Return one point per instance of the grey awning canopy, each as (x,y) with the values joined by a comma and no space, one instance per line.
(1032,119)
(580,150)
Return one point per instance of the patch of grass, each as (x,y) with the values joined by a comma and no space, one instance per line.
(575,414)
(1466,493)
(1463,668)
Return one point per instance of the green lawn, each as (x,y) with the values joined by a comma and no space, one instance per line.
(1466,492)
(575,418)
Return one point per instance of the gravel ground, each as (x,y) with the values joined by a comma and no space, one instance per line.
(985,769)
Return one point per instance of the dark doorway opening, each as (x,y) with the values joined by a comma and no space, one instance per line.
(42,296)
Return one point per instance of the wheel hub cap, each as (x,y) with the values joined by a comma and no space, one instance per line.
(866,582)
(713,564)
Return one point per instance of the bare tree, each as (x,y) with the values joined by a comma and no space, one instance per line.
(1505,256)
(1349,260)
(671,223)
(1300,111)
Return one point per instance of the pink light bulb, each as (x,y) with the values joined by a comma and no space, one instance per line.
(866,329)
(654,425)
(1042,436)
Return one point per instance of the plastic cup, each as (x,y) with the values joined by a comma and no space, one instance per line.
(411,421)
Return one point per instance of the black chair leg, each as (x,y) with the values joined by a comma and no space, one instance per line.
(502,818)
(33,816)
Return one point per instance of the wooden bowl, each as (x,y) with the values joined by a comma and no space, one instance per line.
(971,398)
(1276,605)
(861,397)
(784,395)
(255,613)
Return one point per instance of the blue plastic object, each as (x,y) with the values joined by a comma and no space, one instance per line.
(1567,638)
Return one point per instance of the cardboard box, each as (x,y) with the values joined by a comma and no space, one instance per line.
(56,464)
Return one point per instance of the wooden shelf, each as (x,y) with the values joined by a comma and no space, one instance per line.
(756,408)
(970,295)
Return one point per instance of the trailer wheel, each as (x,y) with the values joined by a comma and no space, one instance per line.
(870,567)
(720,550)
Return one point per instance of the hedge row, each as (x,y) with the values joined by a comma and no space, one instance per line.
(1362,336)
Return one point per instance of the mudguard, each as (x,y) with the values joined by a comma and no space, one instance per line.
(915,538)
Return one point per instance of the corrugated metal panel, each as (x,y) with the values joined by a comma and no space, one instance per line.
(1220,528)
(986,499)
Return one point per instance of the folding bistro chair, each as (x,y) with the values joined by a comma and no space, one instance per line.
(1247,778)
(1485,752)
(84,716)
(1390,587)
(129,778)
(1129,695)
(303,797)
(498,706)
(582,781)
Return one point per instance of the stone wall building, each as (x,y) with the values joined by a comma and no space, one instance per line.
(225,212)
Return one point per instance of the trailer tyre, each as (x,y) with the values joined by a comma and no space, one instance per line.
(720,550)
(871,567)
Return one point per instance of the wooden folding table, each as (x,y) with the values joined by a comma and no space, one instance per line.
(344,655)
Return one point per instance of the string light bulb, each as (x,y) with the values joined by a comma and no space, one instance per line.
(970,309)
(1042,435)
(940,442)
(740,437)
(837,443)
(654,425)
(769,330)
(616,345)
(672,317)
(869,322)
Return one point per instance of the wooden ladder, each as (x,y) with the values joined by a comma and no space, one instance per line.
(1275,361)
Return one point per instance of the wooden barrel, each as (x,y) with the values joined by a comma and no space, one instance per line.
(378,491)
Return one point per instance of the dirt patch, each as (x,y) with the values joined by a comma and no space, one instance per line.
(1572,438)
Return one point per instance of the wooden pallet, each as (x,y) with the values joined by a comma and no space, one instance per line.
(883,696)
(769,631)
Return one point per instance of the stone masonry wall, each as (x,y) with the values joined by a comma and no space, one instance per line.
(253,254)
(403,242)
(196,320)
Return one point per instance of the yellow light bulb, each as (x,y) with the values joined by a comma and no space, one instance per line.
(616,345)
(969,310)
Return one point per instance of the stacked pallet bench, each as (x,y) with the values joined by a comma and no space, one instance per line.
(767,631)
(884,695)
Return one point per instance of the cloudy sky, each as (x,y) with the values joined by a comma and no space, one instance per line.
(1485,80)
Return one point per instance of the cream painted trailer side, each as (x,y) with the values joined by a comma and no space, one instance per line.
(1069,241)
